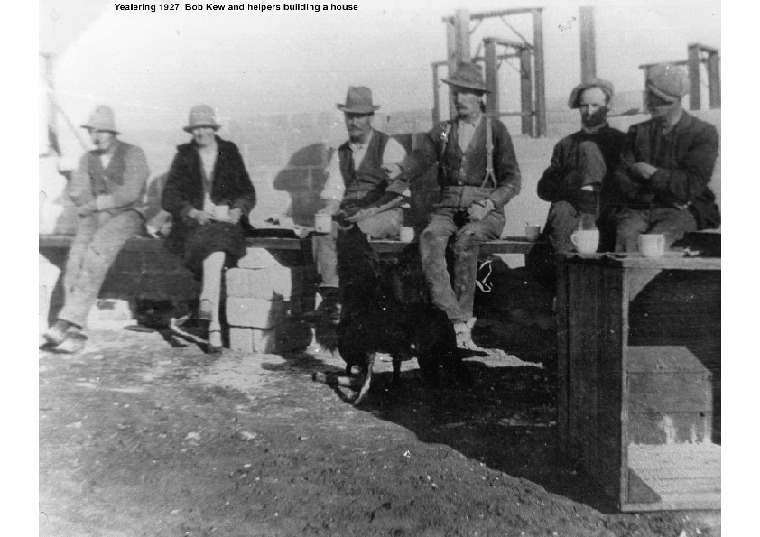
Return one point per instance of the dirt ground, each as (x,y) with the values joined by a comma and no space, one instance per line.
(143,434)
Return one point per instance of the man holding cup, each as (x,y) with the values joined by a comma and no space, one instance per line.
(667,164)
(359,190)
(478,174)
(581,163)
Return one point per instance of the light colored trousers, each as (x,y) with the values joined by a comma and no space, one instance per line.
(98,241)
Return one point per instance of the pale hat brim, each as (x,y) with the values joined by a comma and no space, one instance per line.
(189,128)
(99,128)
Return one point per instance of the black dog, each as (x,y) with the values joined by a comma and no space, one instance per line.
(374,320)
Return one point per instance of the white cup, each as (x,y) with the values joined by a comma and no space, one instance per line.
(322,223)
(586,241)
(652,245)
(221,212)
(532,232)
(406,234)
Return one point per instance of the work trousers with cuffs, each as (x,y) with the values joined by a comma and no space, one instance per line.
(385,225)
(455,297)
(671,222)
(99,239)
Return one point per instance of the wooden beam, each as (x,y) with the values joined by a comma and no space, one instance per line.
(436,95)
(538,62)
(492,77)
(451,59)
(526,92)
(713,77)
(587,43)
(695,97)
(463,35)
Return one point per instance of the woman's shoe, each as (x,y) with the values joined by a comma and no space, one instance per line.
(215,346)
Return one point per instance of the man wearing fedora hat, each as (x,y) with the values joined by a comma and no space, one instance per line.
(667,165)
(581,164)
(359,191)
(478,174)
(107,189)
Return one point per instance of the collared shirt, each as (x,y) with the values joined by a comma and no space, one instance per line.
(105,158)
(466,132)
(335,187)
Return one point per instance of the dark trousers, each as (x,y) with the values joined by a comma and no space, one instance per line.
(630,223)
(455,296)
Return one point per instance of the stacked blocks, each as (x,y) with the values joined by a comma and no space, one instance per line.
(264,305)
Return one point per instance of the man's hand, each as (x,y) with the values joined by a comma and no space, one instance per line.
(393,171)
(331,207)
(234,216)
(88,208)
(202,217)
(644,169)
(479,209)
(362,214)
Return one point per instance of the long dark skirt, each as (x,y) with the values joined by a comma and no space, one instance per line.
(201,241)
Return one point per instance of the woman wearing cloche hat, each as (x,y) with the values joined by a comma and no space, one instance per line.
(209,195)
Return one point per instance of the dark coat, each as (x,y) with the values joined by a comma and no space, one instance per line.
(184,188)
(684,162)
(561,180)
(461,175)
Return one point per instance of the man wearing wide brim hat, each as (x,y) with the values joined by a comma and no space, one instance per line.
(581,163)
(668,164)
(107,189)
(357,192)
(478,174)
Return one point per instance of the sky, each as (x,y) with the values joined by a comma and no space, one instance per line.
(153,66)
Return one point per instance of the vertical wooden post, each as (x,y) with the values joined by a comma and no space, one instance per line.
(452,59)
(436,95)
(463,34)
(538,51)
(713,77)
(492,78)
(52,113)
(694,72)
(588,43)
(526,92)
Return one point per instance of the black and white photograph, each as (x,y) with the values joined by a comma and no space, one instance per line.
(376,268)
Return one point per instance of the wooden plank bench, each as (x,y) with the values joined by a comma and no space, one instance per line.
(145,269)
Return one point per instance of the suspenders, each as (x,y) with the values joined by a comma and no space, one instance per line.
(489,155)
(490,175)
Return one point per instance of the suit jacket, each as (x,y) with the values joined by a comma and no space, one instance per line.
(184,187)
(684,162)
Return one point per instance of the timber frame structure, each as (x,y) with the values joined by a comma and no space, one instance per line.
(531,56)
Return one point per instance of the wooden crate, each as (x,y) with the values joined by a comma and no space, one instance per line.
(639,377)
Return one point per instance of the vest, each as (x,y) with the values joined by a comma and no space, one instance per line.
(105,181)
(370,176)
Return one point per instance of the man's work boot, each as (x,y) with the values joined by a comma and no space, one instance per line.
(328,310)
(57,333)
(463,332)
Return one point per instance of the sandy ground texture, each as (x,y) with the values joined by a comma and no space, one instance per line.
(143,434)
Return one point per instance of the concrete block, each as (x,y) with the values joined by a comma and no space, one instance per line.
(288,337)
(106,312)
(257,258)
(241,339)
(271,283)
(257,312)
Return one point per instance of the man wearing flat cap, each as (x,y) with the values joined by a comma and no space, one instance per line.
(667,164)
(581,164)
(359,190)
(107,189)
(478,174)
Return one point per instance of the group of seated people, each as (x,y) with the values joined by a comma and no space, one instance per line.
(652,180)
